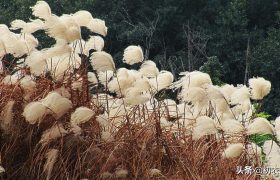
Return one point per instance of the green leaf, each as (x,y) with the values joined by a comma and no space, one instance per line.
(259,139)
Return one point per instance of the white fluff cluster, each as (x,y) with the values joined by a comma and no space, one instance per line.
(149,69)
(204,126)
(163,80)
(133,54)
(57,104)
(51,156)
(260,126)
(233,150)
(34,112)
(6,116)
(102,61)
(53,103)
(81,115)
(56,131)
(259,88)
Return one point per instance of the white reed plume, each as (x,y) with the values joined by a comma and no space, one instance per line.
(6,115)
(51,156)
(81,115)
(102,61)
(204,126)
(149,69)
(97,26)
(92,78)
(259,88)
(57,104)
(135,96)
(133,54)
(27,27)
(34,112)
(82,17)
(163,80)
(53,133)
(232,126)
(41,10)
(233,150)
(95,43)
(260,126)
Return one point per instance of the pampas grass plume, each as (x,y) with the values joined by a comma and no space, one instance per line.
(56,131)
(203,126)
(6,115)
(34,112)
(41,10)
(233,150)
(259,88)
(51,156)
(132,55)
(97,26)
(57,104)
(81,115)
(102,61)
(260,126)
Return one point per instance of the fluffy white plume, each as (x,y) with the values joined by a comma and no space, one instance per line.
(195,95)
(133,54)
(135,96)
(104,77)
(121,173)
(92,78)
(2,170)
(227,91)
(97,26)
(28,85)
(57,104)
(36,62)
(240,95)
(83,17)
(81,115)
(6,115)
(193,79)
(233,150)
(63,92)
(63,28)
(149,69)
(277,124)
(34,112)
(94,42)
(56,131)
(259,88)
(102,61)
(203,126)
(163,80)
(41,10)
(27,27)
(272,152)
(260,126)
(51,156)
(232,126)
(61,66)
(155,173)
(58,49)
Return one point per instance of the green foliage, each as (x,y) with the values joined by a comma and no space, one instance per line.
(214,68)
(263,115)
(259,139)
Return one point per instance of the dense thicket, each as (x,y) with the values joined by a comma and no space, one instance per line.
(181,35)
